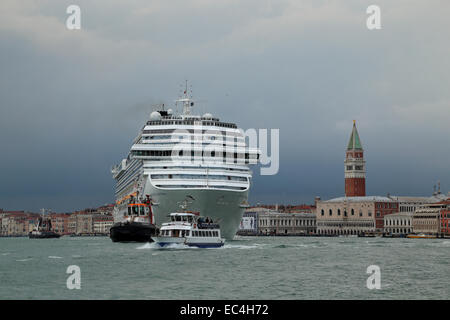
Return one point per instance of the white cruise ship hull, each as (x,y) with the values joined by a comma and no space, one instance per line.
(224,207)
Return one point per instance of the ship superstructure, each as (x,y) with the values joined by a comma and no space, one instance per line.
(179,157)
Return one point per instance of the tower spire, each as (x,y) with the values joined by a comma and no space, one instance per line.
(355,142)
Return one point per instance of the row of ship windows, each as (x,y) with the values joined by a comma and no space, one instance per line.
(181,186)
(187,233)
(195,168)
(196,176)
(177,138)
(191,122)
(123,182)
(181,153)
(199,131)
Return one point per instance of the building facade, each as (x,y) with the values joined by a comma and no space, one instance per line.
(445,220)
(249,224)
(16,223)
(427,220)
(399,223)
(102,223)
(353,215)
(432,219)
(60,223)
(276,223)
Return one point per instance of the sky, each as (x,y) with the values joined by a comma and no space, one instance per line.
(72,101)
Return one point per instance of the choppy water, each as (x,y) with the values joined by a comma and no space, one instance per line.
(248,268)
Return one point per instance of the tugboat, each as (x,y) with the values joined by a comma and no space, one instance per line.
(189,228)
(43,230)
(138,225)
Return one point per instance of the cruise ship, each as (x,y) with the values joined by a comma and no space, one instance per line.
(179,157)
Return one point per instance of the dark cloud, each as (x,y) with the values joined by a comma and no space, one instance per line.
(72,101)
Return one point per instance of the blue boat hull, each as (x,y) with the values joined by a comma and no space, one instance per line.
(197,245)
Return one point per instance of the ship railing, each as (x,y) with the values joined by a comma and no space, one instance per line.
(205,225)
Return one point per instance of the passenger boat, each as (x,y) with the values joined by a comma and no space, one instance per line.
(138,225)
(189,228)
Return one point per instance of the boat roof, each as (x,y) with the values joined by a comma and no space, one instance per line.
(184,214)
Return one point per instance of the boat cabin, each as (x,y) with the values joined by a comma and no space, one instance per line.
(139,212)
(138,209)
(189,229)
(183,217)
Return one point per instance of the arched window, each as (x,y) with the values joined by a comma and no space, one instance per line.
(331,212)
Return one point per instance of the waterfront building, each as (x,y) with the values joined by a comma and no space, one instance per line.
(411,204)
(355,171)
(83,223)
(432,218)
(445,218)
(353,215)
(60,222)
(102,223)
(16,223)
(80,223)
(427,220)
(249,224)
(399,223)
(276,223)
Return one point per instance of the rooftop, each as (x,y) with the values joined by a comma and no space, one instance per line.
(361,199)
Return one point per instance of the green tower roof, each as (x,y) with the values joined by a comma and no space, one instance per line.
(355,142)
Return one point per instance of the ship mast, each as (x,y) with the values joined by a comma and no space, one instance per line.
(186,101)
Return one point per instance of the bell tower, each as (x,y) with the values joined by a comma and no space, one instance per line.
(355,168)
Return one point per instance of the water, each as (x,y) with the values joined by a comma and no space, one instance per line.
(247,268)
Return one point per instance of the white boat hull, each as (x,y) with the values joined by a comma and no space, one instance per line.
(189,241)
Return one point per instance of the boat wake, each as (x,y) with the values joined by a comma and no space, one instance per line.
(174,246)
(242,246)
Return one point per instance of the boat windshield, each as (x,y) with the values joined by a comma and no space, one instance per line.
(181,218)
